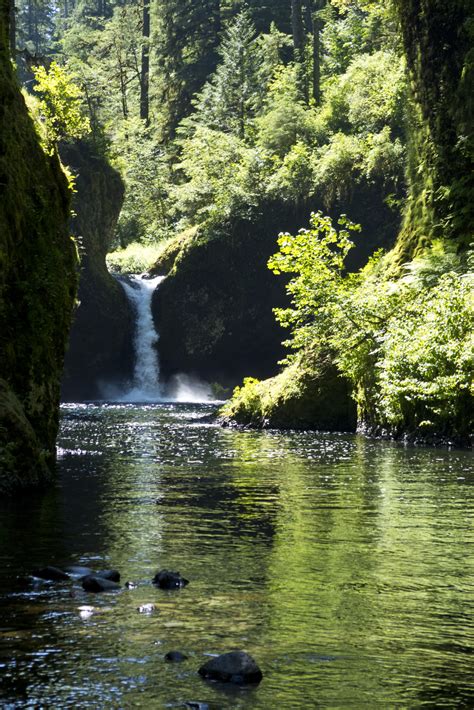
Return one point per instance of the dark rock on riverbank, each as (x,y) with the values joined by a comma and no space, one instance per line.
(234,667)
(78,571)
(111,574)
(101,342)
(165,579)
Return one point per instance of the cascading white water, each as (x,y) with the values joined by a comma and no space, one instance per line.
(146,376)
(146,385)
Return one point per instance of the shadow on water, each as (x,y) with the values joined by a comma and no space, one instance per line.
(344,566)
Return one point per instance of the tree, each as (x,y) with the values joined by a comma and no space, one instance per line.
(60,104)
(232,96)
(187,38)
(145,66)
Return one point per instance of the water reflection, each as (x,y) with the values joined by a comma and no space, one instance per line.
(344,566)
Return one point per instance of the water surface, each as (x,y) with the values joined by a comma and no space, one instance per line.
(344,566)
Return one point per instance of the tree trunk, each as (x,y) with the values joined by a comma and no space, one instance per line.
(299,47)
(145,68)
(318,24)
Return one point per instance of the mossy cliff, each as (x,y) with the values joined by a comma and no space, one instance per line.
(214,310)
(100,347)
(37,288)
(438,39)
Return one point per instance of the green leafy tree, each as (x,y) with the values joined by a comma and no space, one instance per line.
(60,104)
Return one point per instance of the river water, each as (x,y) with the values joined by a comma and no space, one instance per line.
(344,566)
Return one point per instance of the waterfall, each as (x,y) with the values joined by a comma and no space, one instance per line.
(146,376)
(146,385)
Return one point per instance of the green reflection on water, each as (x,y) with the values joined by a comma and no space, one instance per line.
(345,566)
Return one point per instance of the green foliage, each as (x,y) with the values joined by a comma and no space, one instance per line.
(135,258)
(231,98)
(60,104)
(318,288)
(427,358)
(146,172)
(406,345)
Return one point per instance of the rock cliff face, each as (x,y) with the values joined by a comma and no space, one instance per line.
(37,288)
(438,38)
(101,343)
(214,311)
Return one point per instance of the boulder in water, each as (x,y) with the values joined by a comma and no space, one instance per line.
(175,657)
(51,574)
(95,584)
(112,574)
(165,579)
(146,609)
(234,667)
(78,571)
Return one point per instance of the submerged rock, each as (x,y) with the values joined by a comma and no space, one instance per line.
(175,657)
(146,609)
(165,579)
(95,584)
(234,667)
(112,574)
(51,574)
(197,706)
(78,571)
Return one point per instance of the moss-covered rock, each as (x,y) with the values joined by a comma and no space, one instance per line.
(37,288)
(305,395)
(101,343)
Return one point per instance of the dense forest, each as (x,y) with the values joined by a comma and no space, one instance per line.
(311,157)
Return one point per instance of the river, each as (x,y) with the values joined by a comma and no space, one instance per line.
(344,566)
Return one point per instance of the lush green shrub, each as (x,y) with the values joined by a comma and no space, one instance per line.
(135,258)
(406,345)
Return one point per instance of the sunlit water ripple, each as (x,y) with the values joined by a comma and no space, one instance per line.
(344,566)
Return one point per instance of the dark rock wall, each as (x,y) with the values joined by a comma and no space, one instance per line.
(37,288)
(214,312)
(101,343)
